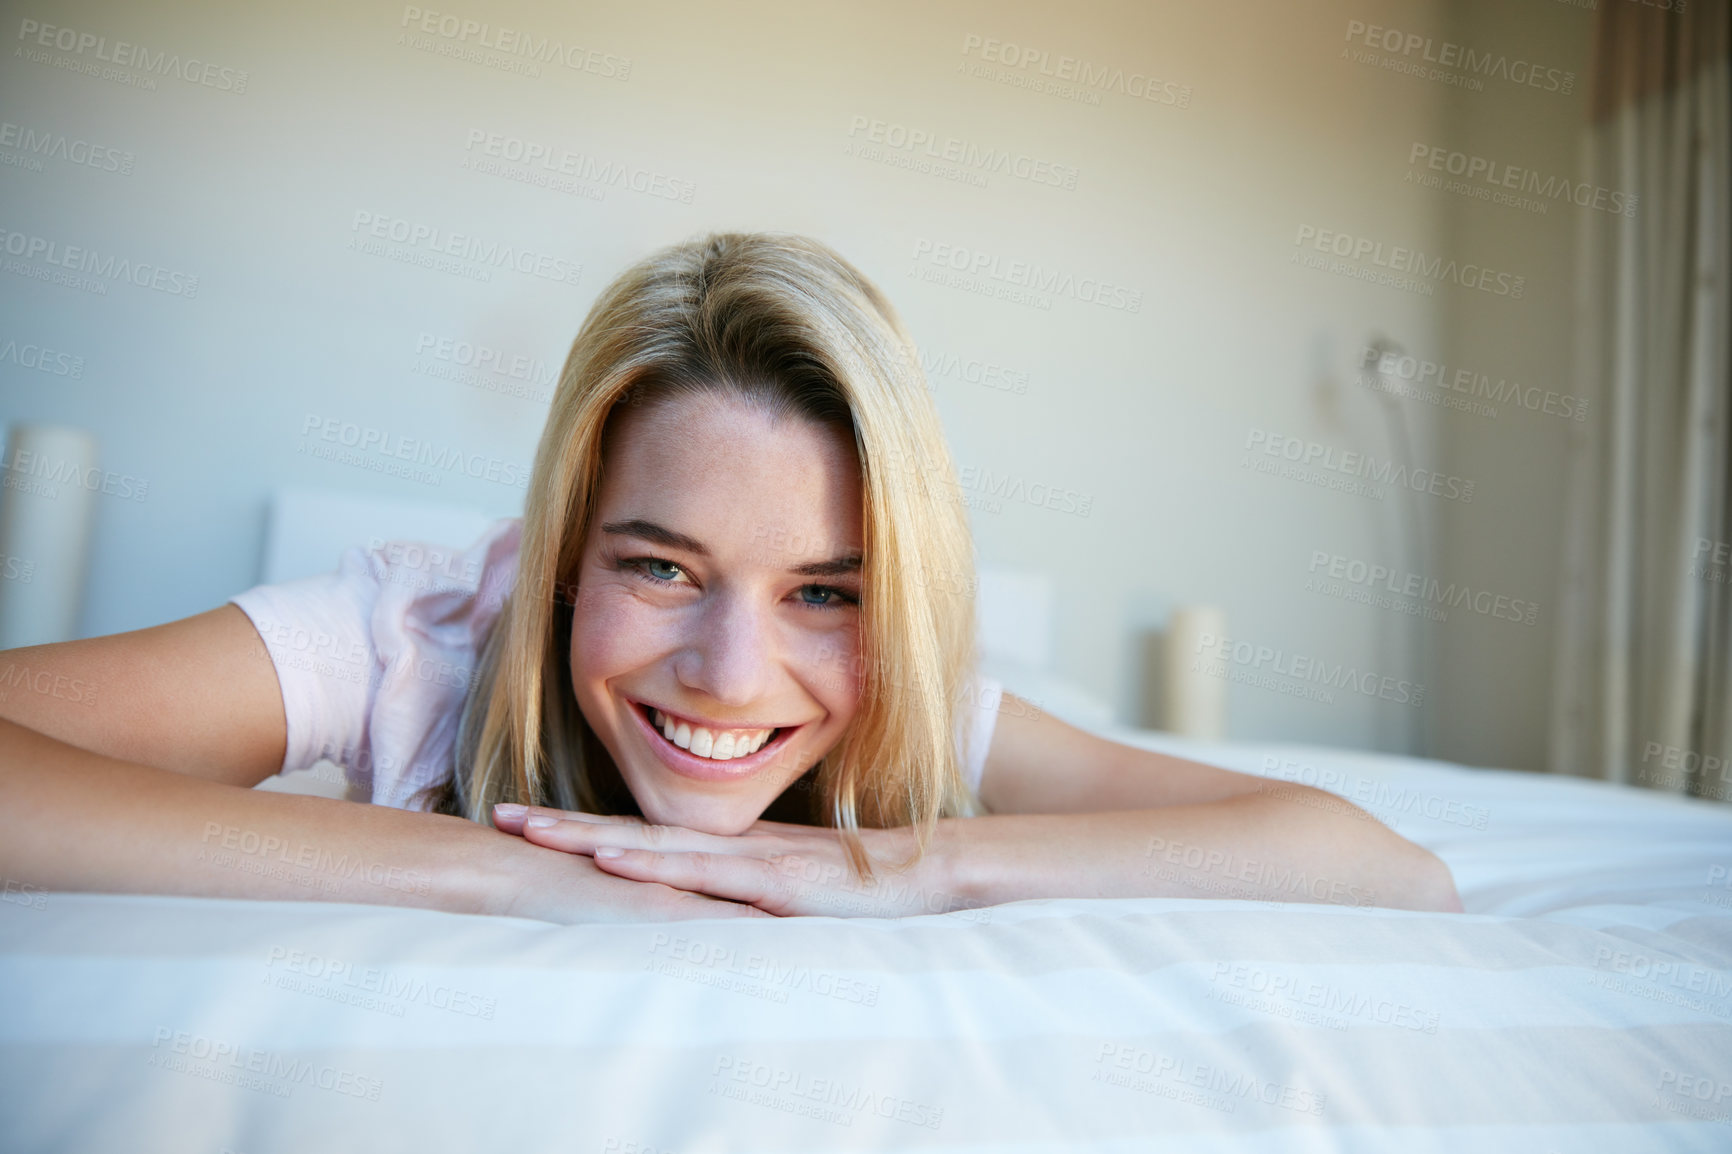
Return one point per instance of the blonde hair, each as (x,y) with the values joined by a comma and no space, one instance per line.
(781,321)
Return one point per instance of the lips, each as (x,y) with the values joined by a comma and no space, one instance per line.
(689,764)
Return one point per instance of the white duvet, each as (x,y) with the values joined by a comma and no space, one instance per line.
(1584,1003)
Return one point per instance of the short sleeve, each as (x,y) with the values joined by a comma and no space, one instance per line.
(974,726)
(376,659)
(317,632)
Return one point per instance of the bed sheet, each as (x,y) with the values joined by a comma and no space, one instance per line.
(1583,1003)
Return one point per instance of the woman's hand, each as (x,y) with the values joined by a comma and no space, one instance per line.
(562,888)
(780,868)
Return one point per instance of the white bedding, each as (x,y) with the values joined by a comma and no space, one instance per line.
(1584,1003)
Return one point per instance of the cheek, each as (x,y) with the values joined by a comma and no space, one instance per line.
(830,666)
(610,635)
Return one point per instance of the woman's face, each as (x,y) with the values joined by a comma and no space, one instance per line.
(718,601)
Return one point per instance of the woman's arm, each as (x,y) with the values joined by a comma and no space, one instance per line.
(1075,815)
(198,696)
(71,819)
(124,762)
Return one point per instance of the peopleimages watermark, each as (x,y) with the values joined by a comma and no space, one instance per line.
(1482,178)
(353,763)
(1320,801)
(456,252)
(1200,1084)
(252,1068)
(47,683)
(1332,1001)
(1676,7)
(1710,560)
(42,359)
(798,1093)
(1673,981)
(87,269)
(1719,878)
(1198,862)
(1688,760)
(480,42)
(21,893)
(1018,281)
(985,489)
(484,367)
(1667,766)
(974,370)
(369,987)
(385,451)
(1067,77)
(1397,266)
(1468,390)
(354,659)
(1447,62)
(1296,673)
(1387,802)
(42,474)
(615,1145)
(1367,582)
(994,488)
(15,568)
(36,145)
(755,975)
(1344,469)
(887,140)
(90,52)
(231,847)
(539,163)
(1692,1094)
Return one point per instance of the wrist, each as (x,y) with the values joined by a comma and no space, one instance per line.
(494,874)
(947,868)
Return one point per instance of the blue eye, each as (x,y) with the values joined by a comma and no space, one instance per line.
(825,597)
(661,570)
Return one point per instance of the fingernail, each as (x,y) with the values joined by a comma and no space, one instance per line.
(541,821)
(509,809)
(608,851)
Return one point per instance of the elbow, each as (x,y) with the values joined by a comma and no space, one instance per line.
(1430,886)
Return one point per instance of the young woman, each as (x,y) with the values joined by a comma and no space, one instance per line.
(719,608)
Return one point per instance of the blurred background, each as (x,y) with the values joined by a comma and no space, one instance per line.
(1270,339)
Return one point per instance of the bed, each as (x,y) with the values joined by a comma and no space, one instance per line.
(1583,1003)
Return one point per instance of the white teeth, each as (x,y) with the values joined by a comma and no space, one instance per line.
(703,742)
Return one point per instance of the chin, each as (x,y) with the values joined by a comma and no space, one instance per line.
(704,814)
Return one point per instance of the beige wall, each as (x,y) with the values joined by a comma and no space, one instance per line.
(1265,123)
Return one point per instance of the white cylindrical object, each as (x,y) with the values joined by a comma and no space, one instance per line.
(47,512)
(1194,699)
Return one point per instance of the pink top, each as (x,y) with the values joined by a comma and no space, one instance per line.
(375,660)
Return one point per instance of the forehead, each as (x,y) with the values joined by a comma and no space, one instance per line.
(720,469)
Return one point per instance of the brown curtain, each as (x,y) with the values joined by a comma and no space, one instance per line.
(1644,673)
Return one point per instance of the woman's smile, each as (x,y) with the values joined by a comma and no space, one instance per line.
(710,751)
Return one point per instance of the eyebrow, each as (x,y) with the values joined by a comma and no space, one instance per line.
(662,535)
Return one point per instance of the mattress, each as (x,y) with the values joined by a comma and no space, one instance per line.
(1583,1003)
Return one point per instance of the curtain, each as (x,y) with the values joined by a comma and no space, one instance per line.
(1643,681)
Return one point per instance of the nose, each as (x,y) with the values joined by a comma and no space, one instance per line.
(731,656)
